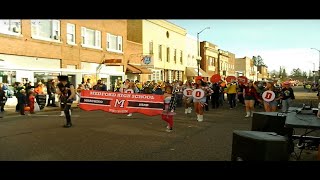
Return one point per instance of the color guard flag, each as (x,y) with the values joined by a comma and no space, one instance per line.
(121,103)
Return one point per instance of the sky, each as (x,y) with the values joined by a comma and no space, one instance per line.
(285,43)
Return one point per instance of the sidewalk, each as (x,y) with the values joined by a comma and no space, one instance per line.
(11,110)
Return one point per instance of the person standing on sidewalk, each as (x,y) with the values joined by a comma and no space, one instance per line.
(2,100)
(287,96)
(31,101)
(67,94)
(51,91)
(22,101)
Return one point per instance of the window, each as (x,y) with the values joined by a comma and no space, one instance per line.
(114,43)
(12,27)
(175,56)
(71,33)
(181,57)
(90,38)
(160,52)
(150,47)
(156,75)
(168,54)
(45,29)
(211,61)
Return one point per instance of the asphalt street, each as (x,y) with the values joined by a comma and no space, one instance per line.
(102,136)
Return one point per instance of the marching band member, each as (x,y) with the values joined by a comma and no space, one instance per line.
(199,97)
(131,89)
(270,106)
(67,94)
(187,96)
(167,114)
(250,94)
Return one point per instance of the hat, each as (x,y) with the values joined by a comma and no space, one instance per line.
(198,78)
(63,78)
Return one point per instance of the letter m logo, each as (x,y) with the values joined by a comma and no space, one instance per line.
(119,103)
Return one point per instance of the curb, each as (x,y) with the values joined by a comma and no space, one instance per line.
(10,113)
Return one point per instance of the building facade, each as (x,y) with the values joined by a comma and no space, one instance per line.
(38,50)
(245,67)
(223,60)
(231,64)
(163,45)
(263,73)
(209,58)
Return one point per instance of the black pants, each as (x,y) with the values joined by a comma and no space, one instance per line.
(62,106)
(241,98)
(215,100)
(18,105)
(67,107)
(2,106)
(206,107)
(52,99)
(21,108)
(232,100)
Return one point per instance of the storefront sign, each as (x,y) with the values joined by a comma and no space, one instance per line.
(122,103)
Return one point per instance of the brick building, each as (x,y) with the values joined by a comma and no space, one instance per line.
(38,50)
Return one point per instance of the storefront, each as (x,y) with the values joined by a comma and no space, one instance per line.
(108,74)
(24,68)
(8,77)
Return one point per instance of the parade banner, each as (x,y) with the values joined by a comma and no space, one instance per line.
(122,103)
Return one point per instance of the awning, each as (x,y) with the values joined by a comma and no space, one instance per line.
(133,70)
(141,68)
(193,72)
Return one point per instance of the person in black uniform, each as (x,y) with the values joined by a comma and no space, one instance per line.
(67,94)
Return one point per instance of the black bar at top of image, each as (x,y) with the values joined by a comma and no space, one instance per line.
(145,104)
(95,101)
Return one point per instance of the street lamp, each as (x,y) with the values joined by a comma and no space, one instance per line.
(314,72)
(274,77)
(319,60)
(198,43)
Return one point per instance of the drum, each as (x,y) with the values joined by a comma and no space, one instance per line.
(268,96)
(129,91)
(187,92)
(198,93)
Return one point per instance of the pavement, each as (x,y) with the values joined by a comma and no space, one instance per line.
(11,110)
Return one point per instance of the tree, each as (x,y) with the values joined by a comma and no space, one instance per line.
(280,72)
(258,61)
(284,73)
(296,72)
(304,74)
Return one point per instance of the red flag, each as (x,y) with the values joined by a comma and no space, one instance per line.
(243,80)
(215,78)
(230,78)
